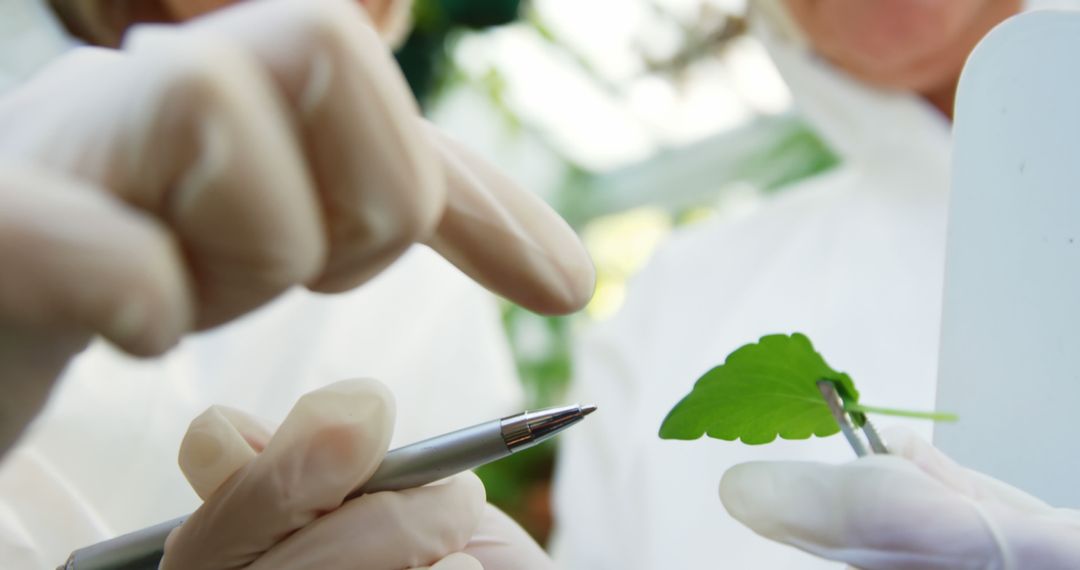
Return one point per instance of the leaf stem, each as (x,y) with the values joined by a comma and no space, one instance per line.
(936,416)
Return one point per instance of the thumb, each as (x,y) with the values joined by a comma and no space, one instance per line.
(932,461)
(877,513)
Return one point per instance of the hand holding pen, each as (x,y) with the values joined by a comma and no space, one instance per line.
(277,501)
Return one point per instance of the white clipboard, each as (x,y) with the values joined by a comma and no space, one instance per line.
(1010,345)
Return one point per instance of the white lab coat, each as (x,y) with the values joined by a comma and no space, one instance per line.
(101,459)
(853,258)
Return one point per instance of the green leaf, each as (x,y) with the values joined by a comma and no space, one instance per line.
(770,389)
(761,391)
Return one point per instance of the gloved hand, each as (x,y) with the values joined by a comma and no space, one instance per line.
(500,544)
(275,501)
(206,168)
(915,508)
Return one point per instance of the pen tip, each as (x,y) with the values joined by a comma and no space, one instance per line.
(587,409)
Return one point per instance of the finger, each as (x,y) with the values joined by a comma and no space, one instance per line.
(242,200)
(330,443)
(879,512)
(75,259)
(193,133)
(905,443)
(401,529)
(456,561)
(76,262)
(506,238)
(355,415)
(217,444)
(499,542)
(379,181)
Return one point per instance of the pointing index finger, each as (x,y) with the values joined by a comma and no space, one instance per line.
(507,238)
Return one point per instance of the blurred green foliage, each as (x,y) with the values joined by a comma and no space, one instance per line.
(479,14)
(800,155)
(541,346)
(520,483)
(423,57)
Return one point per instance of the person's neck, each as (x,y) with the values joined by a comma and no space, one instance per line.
(943,96)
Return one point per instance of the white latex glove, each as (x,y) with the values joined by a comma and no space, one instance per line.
(499,543)
(206,168)
(913,509)
(276,501)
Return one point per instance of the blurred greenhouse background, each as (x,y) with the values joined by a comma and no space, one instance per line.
(632,118)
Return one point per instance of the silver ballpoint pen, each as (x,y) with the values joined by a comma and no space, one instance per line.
(403,468)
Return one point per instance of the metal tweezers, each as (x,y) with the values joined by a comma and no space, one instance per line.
(873,444)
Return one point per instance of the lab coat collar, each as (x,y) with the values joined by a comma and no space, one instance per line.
(858,122)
